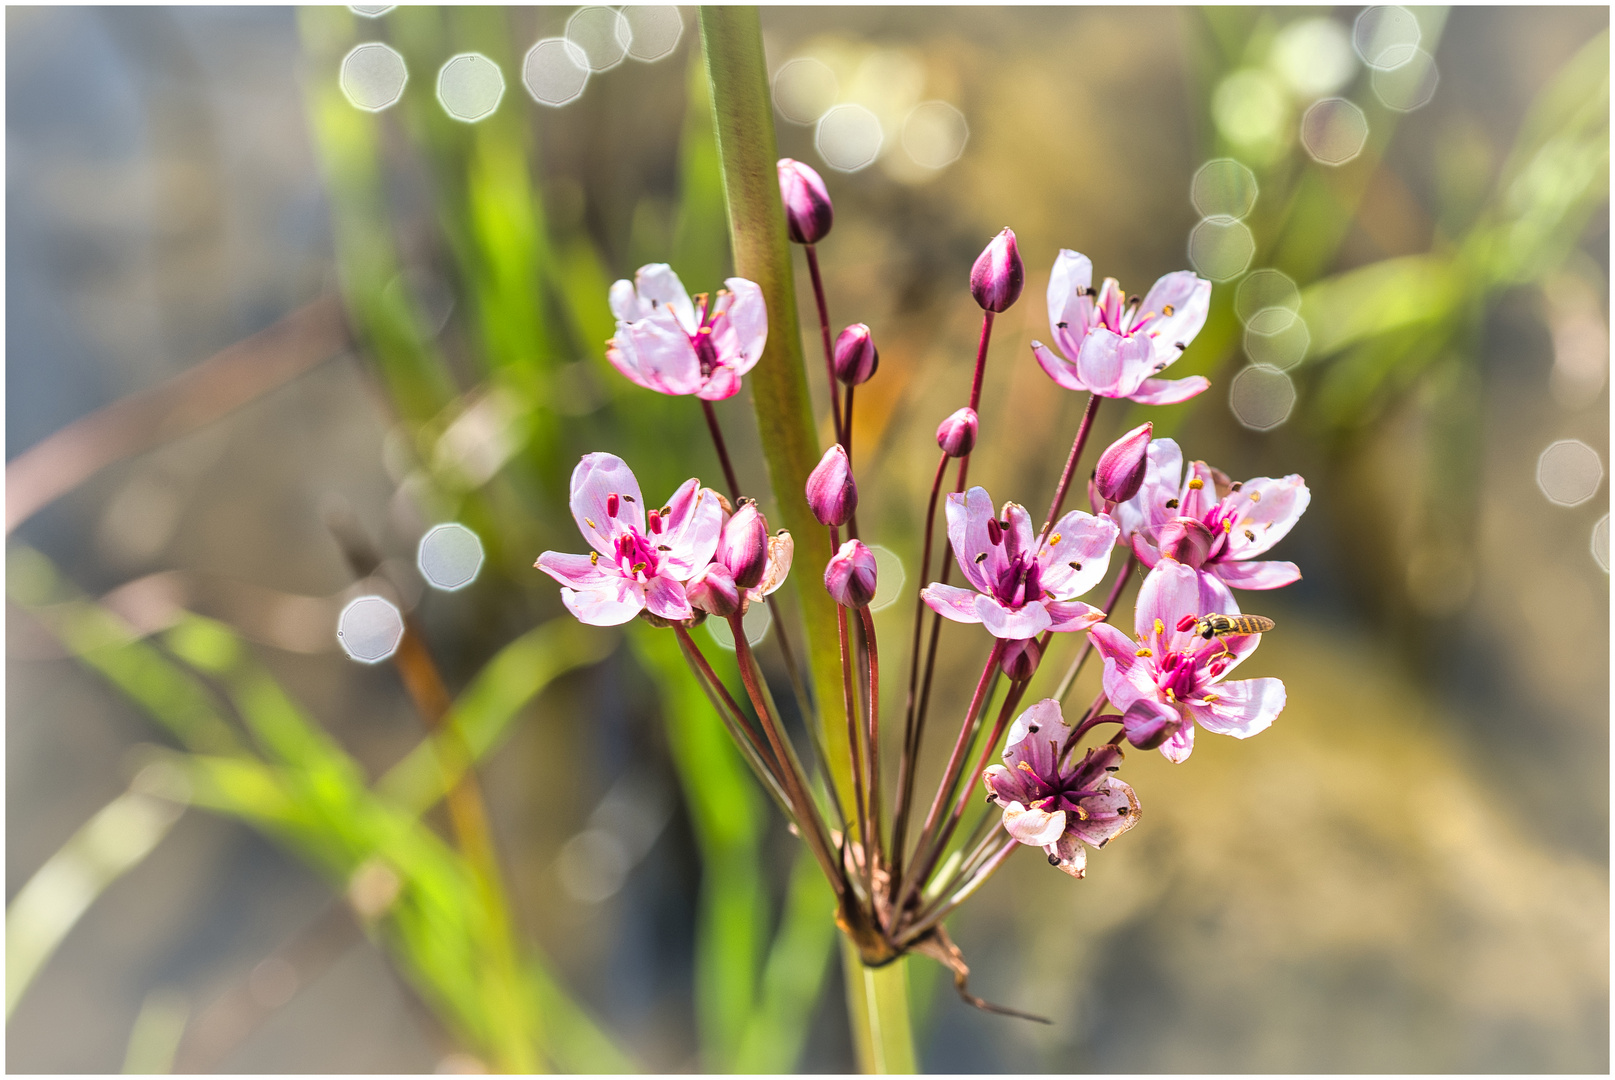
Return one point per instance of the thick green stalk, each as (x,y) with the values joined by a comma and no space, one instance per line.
(732,43)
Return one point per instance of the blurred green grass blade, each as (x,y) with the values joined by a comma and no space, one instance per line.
(481,717)
(794,977)
(726,816)
(1379,298)
(112,842)
(156,1033)
(701,230)
(574,1041)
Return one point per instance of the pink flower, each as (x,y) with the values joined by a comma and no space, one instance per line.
(641,559)
(1209,522)
(1059,807)
(1019,592)
(1117,346)
(1171,679)
(668,344)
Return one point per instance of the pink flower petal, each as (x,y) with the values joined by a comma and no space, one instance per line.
(1019,536)
(1126,683)
(721,385)
(951,602)
(578,571)
(1011,625)
(1169,391)
(1035,738)
(1110,813)
(1058,368)
(781,550)
(594,480)
(1240,708)
(968,515)
(1069,855)
(1267,509)
(748,320)
(1196,502)
(1171,591)
(1256,575)
(1033,827)
(1069,615)
(656,354)
(1190,298)
(1178,748)
(665,597)
(1107,360)
(1070,306)
(1010,785)
(693,524)
(605,607)
(1114,645)
(1080,558)
(659,290)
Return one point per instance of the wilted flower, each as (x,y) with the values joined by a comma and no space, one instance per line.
(668,344)
(957,434)
(640,560)
(998,275)
(850,575)
(1021,592)
(831,491)
(1120,472)
(856,357)
(1172,678)
(1114,347)
(808,212)
(1211,523)
(1059,807)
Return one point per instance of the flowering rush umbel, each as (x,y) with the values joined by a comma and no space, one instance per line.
(901,864)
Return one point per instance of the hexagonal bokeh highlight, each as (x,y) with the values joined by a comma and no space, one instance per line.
(1314,56)
(804,90)
(555,72)
(1385,36)
(449,556)
(756,622)
(372,76)
(470,87)
(1334,131)
(889,577)
(601,34)
(369,629)
(1281,348)
(1261,397)
(934,134)
(1601,542)
(371,11)
(1220,248)
(1267,298)
(653,30)
(1223,187)
(849,137)
(1408,86)
(1569,472)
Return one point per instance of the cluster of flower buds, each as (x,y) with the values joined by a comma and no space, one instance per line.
(1195,531)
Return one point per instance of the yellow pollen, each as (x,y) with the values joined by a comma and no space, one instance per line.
(1160,627)
(1055,539)
(1196,484)
(1170,696)
(1082,815)
(1256,496)
(1143,652)
(592,525)
(1227,524)
(1024,765)
(1166,310)
(594,558)
(1209,699)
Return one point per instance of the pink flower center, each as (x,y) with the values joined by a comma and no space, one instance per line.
(1019,583)
(636,555)
(1178,675)
(707,322)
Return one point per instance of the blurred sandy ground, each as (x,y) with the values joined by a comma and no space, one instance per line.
(1408,873)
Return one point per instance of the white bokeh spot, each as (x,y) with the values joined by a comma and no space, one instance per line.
(369,629)
(449,556)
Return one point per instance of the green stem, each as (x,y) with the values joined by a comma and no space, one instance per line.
(732,43)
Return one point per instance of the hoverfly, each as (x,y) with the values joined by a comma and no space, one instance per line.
(1225,626)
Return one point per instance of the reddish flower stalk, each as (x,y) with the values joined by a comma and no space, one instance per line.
(1070,464)
(859,787)
(1116,588)
(873,738)
(824,335)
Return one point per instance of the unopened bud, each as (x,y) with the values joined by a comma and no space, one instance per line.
(850,576)
(1019,659)
(957,434)
(808,212)
(743,545)
(856,357)
(714,591)
(997,277)
(1185,540)
(1148,723)
(831,491)
(1121,467)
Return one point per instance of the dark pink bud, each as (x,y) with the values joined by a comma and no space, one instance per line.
(1020,659)
(997,277)
(831,491)
(808,212)
(714,591)
(1121,467)
(957,434)
(856,357)
(1185,540)
(743,545)
(1148,723)
(850,577)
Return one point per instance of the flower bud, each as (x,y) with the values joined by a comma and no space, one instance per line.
(713,591)
(831,491)
(997,277)
(850,577)
(808,212)
(1185,540)
(743,545)
(856,357)
(957,434)
(1019,659)
(1148,723)
(1121,467)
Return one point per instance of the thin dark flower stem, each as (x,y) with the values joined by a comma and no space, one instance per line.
(979,845)
(920,928)
(981,361)
(824,333)
(812,826)
(859,791)
(1070,465)
(846,424)
(1090,719)
(966,730)
(1012,700)
(756,755)
(873,736)
(911,733)
(723,450)
(1116,588)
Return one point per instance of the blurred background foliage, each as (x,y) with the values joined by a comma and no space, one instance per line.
(1408,873)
